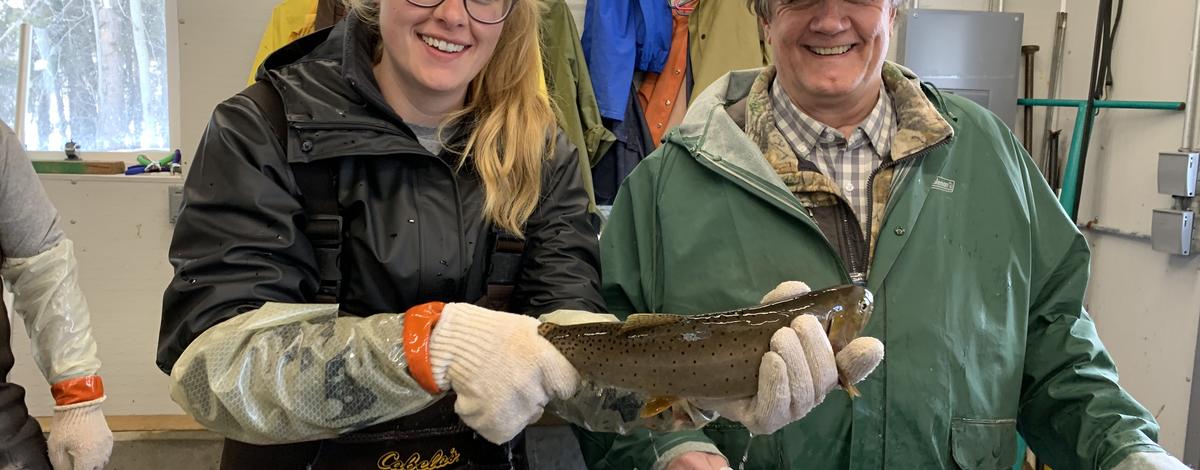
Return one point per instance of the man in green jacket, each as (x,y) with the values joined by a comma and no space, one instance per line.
(836,167)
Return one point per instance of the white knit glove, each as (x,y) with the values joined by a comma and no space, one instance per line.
(79,437)
(503,371)
(798,371)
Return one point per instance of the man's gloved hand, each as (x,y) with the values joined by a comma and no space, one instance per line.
(798,371)
(79,437)
(698,461)
(1150,461)
(503,371)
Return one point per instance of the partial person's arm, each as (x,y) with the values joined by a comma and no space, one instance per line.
(247,356)
(1073,412)
(39,268)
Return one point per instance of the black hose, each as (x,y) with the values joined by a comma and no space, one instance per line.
(1112,40)
(1103,20)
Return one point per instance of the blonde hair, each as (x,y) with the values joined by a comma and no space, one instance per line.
(513,120)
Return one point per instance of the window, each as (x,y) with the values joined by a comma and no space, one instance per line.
(98,73)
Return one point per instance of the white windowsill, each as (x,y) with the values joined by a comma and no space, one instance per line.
(142,178)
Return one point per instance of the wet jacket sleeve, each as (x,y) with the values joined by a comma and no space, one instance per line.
(39,267)
(1072,412)
(561,265)
(281,372)
(630,251)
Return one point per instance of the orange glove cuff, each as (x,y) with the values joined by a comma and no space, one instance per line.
(418,327)
(77,390)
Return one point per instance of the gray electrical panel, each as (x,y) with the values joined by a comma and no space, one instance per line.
(974,54)
(1177,173)
(1171,231)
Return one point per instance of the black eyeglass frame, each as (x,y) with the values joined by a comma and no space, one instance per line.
(436,3)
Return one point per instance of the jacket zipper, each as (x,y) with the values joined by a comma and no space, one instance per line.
(462,248)
(848,238)
(871,197)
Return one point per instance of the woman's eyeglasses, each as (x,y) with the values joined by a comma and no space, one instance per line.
(483,11)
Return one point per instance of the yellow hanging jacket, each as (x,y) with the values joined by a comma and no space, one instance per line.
(290,20)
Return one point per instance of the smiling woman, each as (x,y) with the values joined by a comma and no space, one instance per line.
(402,158)
(431,54)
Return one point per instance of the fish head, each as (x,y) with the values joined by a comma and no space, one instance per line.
(849,322)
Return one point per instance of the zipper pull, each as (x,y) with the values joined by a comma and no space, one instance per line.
(859,279)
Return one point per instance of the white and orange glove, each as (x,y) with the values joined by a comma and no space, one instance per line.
(79,435)
(503,371)
(798,371)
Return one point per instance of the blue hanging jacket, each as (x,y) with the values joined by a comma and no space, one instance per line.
(619,35)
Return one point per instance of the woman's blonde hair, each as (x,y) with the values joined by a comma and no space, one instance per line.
(513,123)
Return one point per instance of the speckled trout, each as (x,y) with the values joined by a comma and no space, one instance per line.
(714,355)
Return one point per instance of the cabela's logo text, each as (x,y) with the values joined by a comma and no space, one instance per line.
(440,459)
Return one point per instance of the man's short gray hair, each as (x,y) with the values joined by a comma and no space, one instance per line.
(762,8)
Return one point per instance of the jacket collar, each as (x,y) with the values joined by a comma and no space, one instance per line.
(327,79)
(716,124)
(334,65)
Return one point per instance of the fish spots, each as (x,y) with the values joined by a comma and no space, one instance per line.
(716,355)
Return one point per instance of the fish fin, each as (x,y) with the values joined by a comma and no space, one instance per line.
(656,405)
(647,320)
(850,389)
(545,328)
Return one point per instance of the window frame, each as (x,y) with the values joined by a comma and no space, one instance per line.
(174,118)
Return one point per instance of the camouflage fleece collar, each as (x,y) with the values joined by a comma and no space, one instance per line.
(918,122)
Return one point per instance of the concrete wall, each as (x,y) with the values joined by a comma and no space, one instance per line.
(1146,304)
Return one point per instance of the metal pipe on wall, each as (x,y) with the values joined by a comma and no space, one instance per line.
(1053,172)
(1192,118)
(22,81)
(1029,53)
(1191,447)
(1094,226)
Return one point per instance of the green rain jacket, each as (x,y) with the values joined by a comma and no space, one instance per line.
(978,275)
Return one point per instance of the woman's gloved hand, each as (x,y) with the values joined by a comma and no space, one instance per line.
(503,371)
(798,371)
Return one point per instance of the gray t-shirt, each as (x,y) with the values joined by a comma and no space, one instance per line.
(28,221)
(428,137)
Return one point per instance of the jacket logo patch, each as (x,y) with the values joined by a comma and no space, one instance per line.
(394,461)
(943,184)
